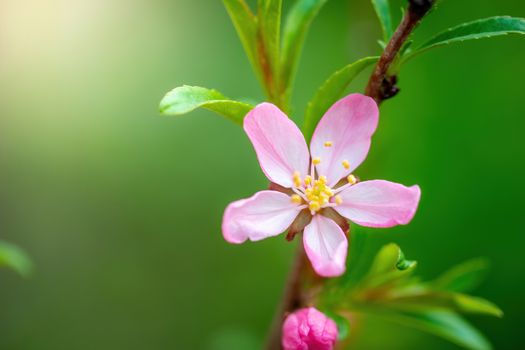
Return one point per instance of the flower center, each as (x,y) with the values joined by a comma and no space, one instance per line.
(319,194)
(315,194)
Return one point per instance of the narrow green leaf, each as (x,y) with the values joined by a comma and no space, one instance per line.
(246,26)
(15,258)
(269,31)
(331,91)
(390,258)
(389,266)
(382,8)
(385,260)
(464,277)
(184,99)
(444,324)
(476,305)
(480,29)
(420,297)
(298,22)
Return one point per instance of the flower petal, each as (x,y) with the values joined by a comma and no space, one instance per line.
(326,246)
(347,127)
(379,203)
(278,142)
(265,214)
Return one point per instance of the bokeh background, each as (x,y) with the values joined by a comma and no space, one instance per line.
(120,208)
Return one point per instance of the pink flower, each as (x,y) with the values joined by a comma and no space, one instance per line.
(309,329)
(321,185)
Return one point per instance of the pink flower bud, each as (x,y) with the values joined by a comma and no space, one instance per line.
(309,329)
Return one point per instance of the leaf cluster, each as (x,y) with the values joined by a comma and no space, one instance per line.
(274,55)
(390,291)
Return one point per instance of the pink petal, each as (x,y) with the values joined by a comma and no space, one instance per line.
(309,329)
(279,144)
(348,125)
(265,214)
(326,246)
(379,203)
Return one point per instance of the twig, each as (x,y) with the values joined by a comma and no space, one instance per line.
(381,85)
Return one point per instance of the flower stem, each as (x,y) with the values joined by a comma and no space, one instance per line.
(381,85)
(292,297)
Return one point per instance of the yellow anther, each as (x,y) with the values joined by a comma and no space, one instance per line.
(328,191)
(338,200)
(323,180)
(316,161)
(307,180)
(296,199)
(297,179)
(346,164)
(314,206)
(351,179)
(328,144)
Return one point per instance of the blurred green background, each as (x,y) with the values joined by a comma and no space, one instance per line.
(121,208)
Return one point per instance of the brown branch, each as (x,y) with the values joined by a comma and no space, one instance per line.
(381,85)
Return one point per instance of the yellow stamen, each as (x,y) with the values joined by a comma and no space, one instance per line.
(307,180)
(296,199)
(346,164)
(351,179)
(317,193)
(316,161)
(328,144)
(314,206)
(297,179)
(328,191)
(338,200)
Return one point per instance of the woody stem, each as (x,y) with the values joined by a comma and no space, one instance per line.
(381,85)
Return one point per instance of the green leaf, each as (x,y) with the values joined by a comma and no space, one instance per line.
(389,259)
(480,29)
(184,99)
(464,277)
(385,260)
(475,305)
(246,26)
(269,31)
(382,8)
(298,22)
(419,297)
(442,323)
(331,91)
(389,266)
(15,258)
